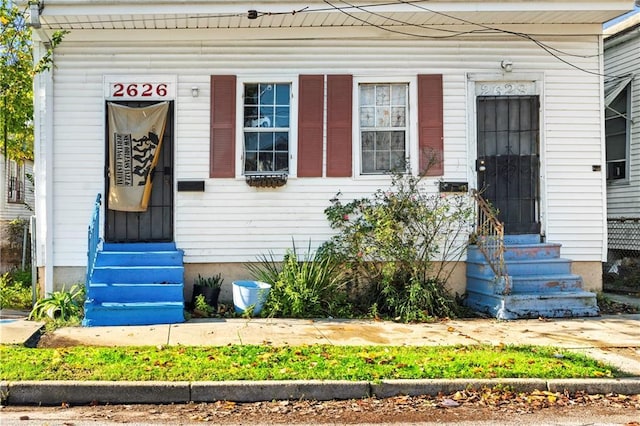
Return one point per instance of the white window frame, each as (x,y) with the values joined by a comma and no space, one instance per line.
(293,119)
(626,117)
(17,171)
(411,141)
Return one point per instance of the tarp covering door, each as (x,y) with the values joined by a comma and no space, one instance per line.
(135,139)
(150,126)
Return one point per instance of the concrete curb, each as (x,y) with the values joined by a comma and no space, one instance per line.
(106,392)
(240,391)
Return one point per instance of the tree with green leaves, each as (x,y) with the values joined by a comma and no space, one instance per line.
(16,80)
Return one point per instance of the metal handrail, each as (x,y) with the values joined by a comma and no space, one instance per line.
(94,240)
(490,239)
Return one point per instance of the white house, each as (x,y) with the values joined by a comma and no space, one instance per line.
(16,202)
(622,115)
(275,106)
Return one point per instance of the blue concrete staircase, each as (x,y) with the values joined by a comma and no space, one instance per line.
(542,284)
(135,284)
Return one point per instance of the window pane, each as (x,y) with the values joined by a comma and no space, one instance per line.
(383,117)
(382,161)
(367,94)
(398,94)
(615,126)
(251,94)
(383,141)
(383,95)
(251,161)
(266,117)
(397,141)
(282,162)
(266,141)
(282,94)
(368,164)
(397,117)
(282,117)
(266,95)
(282,141)
(250,141)
(397,161)
(367,117)
(368,141)
(250,117)
(616,147)
(265,162)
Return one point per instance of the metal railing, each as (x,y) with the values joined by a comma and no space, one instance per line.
(489,234)
(93,234)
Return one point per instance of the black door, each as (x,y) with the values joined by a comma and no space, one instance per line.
(508,159)
(156,223)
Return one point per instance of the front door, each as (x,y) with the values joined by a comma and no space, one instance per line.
(508,159)
(156,223)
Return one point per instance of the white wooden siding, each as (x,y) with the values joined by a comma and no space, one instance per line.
(623,198)
(232,222)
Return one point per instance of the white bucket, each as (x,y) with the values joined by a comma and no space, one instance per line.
(247,294)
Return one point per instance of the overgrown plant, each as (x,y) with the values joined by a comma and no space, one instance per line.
(400,245)
(302,286)
(61,306)
(15,290)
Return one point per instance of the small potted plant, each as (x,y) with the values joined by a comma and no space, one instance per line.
(209,288)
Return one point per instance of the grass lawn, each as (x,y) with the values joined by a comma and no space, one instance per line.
(307,362)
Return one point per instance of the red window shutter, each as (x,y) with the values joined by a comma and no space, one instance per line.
(223,126)
(310,125)
(339,122)
(430,123)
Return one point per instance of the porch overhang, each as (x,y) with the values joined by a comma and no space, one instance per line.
(204,14)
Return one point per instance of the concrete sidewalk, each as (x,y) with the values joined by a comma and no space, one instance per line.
(612,339)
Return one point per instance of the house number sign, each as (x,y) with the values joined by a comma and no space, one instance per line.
(139,88)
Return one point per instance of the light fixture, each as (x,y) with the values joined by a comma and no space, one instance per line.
(506,65)
(34,14)
(195,91)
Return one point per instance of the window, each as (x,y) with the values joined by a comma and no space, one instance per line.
(617,135)
(266,127)
(383,111)
(15,179)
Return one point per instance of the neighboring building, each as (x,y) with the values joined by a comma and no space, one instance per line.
(622,129)
(272,112)
(16,202)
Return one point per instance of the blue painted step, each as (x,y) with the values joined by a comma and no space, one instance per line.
(127,292)
(568,304)
(149,313)
(138,274)
(541,284)
(136,284)
(520,252)
(523,267)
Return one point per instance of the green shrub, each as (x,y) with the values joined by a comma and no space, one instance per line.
(399,246)
(61,306)
(309,286)
(15,290)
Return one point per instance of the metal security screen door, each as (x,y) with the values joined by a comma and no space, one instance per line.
(156,223)
(508,159)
